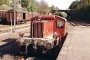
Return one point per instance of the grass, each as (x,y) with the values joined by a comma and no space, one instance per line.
(8,8)
(4,8)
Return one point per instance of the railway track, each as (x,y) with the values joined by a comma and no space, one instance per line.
(10,52)
(4,30)
(8,46)
(5,36)
(6,33)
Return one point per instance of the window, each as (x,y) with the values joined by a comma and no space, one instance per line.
(59,23)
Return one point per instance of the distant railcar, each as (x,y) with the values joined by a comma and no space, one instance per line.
(30,15)
(19,16)
(46,33)
(2,16)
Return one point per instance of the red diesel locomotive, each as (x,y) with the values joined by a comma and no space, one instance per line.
(46,33)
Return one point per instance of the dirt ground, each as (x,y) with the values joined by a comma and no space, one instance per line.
(76,45)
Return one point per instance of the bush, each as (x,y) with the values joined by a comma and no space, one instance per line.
(82,13)
(4,8)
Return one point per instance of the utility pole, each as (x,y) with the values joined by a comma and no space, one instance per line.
(20,3)
(11,26)
(80,2)
(14,16)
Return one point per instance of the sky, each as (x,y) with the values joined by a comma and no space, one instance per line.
(61,4)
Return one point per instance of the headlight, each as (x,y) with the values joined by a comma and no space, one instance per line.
(19,42)
(48,45)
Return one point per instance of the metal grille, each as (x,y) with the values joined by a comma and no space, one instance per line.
(38,30)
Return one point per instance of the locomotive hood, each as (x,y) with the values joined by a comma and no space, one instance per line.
(44,17)
(46,32)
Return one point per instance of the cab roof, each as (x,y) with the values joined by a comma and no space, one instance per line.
(47,17)
(44,17)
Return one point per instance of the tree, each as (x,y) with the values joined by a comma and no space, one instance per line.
(57,8)
(29,4)
(43,7)
(82,11)
(5,2)
(85,2)
(74,5)
(16,4)
(52,7)
(32,6)
(25,3)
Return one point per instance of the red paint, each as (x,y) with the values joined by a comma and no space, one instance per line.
(49,27)
(61,31)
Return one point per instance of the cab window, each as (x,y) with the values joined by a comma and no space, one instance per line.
(59,23)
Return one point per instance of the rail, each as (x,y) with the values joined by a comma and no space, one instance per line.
(12,35)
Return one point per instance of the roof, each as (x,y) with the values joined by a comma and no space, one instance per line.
(12,10)
(44,17)
(47,17)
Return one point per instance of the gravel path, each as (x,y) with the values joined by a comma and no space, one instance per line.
(76,46)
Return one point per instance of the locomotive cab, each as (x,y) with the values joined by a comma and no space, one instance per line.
(46,33)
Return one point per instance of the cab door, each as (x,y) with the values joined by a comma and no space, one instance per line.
(59,27)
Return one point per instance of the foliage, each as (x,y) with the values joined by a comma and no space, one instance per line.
(5,2)
(32,6)
(82,12)
(57,13)
(73,5)
(4,8)
(56,8)
(25,3)
(52,7)
(42,7)
(17,5)
(16,2)
(62,14)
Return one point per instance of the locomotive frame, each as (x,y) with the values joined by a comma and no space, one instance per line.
(46,33)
